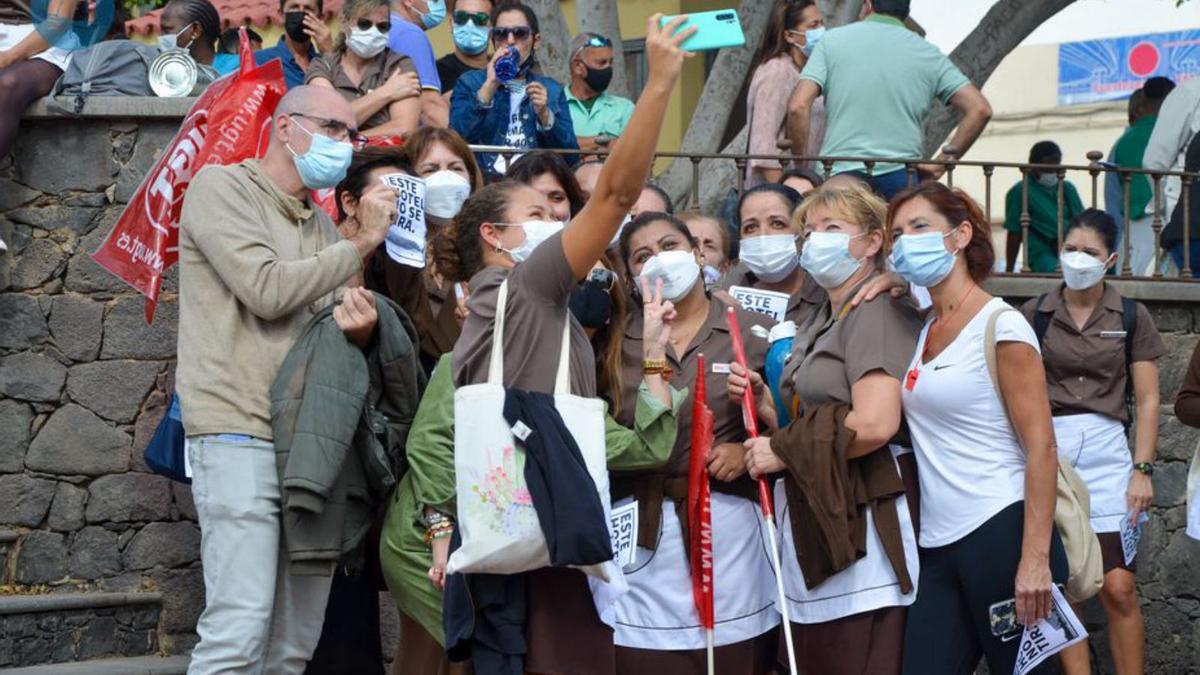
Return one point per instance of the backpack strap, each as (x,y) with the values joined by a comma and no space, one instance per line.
(989,353)
(1041,321)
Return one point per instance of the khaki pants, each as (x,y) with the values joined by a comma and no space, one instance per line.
(257,617)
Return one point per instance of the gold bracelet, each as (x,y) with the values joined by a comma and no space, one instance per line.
(654,366)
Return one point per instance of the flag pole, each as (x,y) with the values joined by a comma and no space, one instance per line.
(764,492)
(712,665)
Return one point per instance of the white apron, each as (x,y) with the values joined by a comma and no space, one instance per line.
(11,35)
(1096,447)
(659,612)
(868,584)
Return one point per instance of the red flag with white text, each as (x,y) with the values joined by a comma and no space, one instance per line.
(699,502)
(229,122)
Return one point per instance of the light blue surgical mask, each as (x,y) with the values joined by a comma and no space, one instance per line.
(811,37)
(325,163)
(471,39)
(827,258)
(922,259)
(436,14)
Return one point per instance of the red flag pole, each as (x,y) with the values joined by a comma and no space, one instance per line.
(764,491)
(700,510)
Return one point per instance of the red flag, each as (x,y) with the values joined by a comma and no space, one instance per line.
(699,503)
(749,417)
(229,122)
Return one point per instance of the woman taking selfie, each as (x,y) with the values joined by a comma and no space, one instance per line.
(505,234)
(382,86)
(987,534)
(847,612)
(657,625)
(1099,349)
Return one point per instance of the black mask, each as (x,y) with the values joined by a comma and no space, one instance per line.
(293,23)
(591,304)
(598,78)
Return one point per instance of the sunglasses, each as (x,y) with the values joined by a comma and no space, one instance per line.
(478,18)
(521,33)
(365,24)
(594,40)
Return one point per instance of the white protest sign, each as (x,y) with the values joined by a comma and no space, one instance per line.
(1050,635)
(1131,534)
(771,303)
(406,237)
(623,528)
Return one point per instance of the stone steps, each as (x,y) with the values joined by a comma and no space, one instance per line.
(137,665)
(58,628)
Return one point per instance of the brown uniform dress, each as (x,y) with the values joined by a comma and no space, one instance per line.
(374,74)
(563,632)
(1085,372)
(429,304)
(801,305)
(879,335)
(749,657)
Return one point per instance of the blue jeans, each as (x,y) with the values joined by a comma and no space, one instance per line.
(886,185)
(1176,252)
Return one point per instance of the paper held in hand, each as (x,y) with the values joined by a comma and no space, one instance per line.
(406,237)
(1131,534)
(1050,635)
(771,303)
(623,528)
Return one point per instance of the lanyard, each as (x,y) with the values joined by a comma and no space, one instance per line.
(910,380)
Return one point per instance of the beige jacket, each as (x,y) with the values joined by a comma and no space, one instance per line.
(255,264)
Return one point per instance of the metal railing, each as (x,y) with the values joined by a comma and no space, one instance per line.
(1093,169)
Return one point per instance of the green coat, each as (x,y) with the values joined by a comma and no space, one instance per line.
(430,481)
(341,416)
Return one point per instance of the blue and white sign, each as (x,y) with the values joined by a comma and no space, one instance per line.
(1113,68)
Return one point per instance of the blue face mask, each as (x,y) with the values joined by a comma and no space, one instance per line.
(922,259)
(325,163)
(827,258)
(811,37)
(471,39)
(436,15)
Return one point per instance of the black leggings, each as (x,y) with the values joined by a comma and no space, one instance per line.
(948,626)
(22,83)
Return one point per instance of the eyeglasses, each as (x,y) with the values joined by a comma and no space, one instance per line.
(604,278)
(365,24)
(594,40)
(521,33)
(478,18)
(337,131)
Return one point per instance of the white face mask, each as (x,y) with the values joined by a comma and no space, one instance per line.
(168,42)
(536,232)
(367,43)
(445,192)
(1081,271)
(770,258)
(828,259)
(1048,180)
(677,269)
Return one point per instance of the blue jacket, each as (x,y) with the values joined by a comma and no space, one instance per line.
(490,125)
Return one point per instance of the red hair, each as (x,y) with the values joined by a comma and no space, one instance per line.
(957,207)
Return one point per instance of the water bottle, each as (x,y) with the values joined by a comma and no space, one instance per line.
(780,340)
(509,65)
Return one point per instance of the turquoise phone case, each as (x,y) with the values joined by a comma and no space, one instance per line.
(714,30)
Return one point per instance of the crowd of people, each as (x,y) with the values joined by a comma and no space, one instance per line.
(911,427)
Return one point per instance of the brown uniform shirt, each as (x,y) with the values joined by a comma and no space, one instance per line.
(15,12)
(538,290)
(714,341)
(1085,369)
(801,305)
(430,306)
(375,73)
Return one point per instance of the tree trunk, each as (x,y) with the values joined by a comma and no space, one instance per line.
(1004,27)
(839,12)
(708,122)
(600,16)
(556,39)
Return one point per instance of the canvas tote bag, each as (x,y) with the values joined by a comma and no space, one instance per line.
(496,518)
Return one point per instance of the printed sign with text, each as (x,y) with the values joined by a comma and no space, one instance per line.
(771,303)
(406,237)
(1051,635)
(623,528)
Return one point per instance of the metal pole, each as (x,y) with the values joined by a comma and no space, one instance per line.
(1094,158)
(1024,220)
(1157,224)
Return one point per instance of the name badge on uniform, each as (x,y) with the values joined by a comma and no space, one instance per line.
(1113,334)
(721,368)
(771,303)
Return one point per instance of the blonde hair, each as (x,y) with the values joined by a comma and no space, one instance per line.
(857,205)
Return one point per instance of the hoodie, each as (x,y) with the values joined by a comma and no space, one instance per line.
(255,264)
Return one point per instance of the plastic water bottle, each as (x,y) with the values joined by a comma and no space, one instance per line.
(780,340)
(509,65)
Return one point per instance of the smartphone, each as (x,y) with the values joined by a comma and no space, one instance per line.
(714,30)
(1003,616)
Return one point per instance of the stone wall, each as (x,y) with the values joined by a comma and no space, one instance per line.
(84,381)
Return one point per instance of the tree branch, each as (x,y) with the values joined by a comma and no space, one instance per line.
(1004,27)
(600,16)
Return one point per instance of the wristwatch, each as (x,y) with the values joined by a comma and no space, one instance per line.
(1145,468)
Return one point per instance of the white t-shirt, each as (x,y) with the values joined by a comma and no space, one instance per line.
(969,461)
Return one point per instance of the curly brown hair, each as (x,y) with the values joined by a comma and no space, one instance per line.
(458,248)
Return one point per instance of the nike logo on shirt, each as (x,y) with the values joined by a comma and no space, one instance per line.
(948,365)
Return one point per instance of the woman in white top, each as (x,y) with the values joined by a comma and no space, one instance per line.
(987,531)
